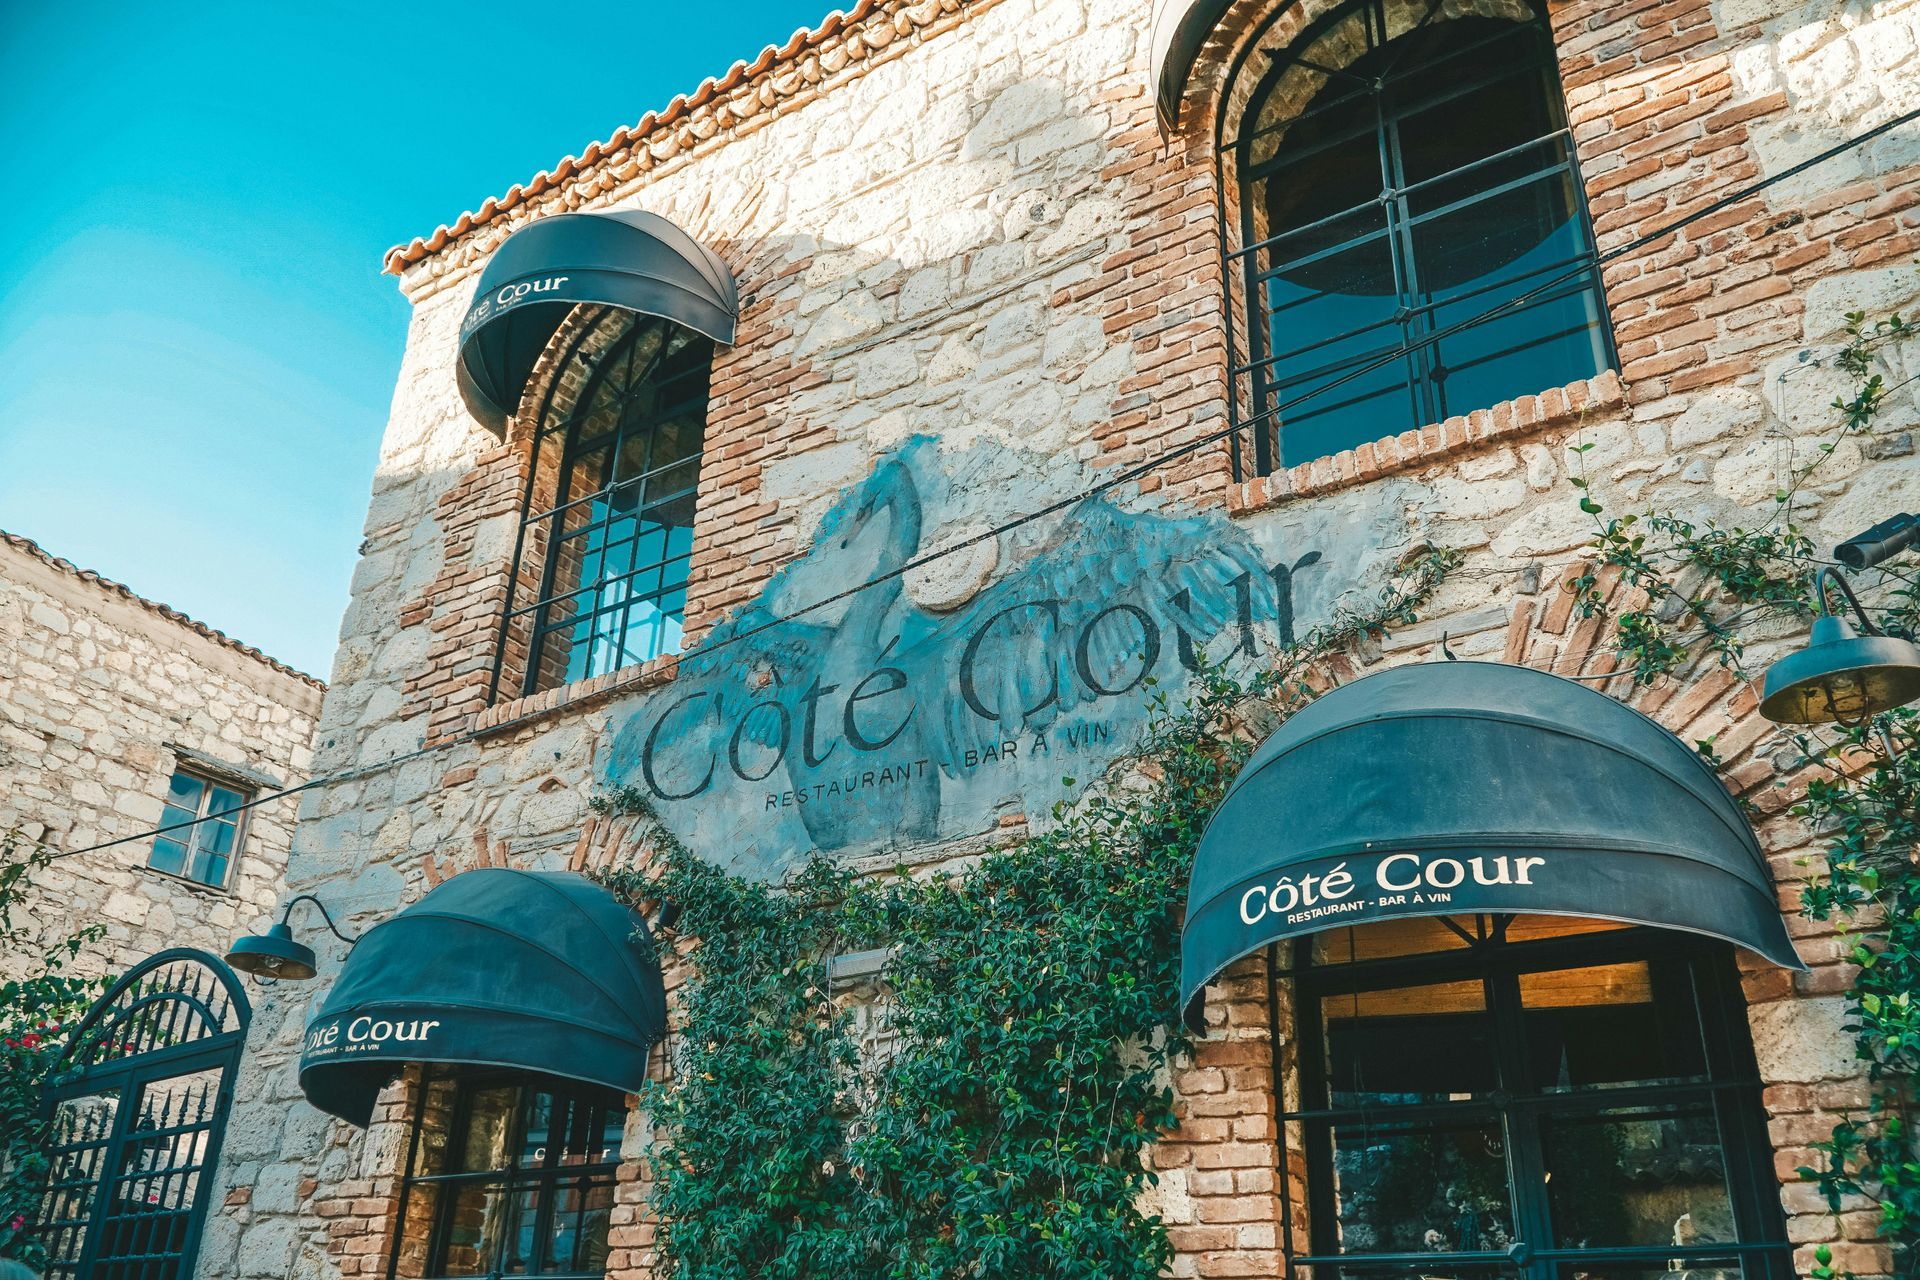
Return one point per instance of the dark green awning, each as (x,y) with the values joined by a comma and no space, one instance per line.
(624,258)
(1451,788)
(1179,31)
(544,971)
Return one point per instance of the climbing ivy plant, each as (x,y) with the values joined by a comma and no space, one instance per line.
(1704,589)
(990,1119)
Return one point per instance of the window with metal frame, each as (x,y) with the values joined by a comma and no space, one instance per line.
(1526,1097)
(206,851)
(508,1174)
(606,536)
(1405,170)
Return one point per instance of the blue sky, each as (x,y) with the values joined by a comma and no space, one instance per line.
(197,348)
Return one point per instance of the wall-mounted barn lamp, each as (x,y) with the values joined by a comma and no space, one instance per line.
(276,953)
(1843,676)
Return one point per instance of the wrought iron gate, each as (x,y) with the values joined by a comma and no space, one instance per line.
(138,1106)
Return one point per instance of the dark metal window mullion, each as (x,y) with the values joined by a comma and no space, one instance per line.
(407,1183)
(1755,1198)
(1526,1159)
(569,447)
(650,423)
(574,447)
(1310,1029)
(541,430)
(620,485)
(1425,397)
(1583,216)
(1575,1104)
(1259,339)
(442,1220)
(542,1179)
(620,435)
(1568,289)
(1450,55)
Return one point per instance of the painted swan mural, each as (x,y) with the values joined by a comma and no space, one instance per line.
(873,721)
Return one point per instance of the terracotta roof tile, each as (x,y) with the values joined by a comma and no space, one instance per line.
(168,612)
(623,139)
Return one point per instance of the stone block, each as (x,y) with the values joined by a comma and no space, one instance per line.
(1802,1040)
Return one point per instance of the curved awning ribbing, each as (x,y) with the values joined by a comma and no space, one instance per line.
(543,971)
(624,258)
(1457,787)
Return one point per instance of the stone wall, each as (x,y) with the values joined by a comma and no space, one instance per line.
(960,221)
(102,696)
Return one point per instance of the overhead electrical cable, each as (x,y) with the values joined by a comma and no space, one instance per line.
(1113,481)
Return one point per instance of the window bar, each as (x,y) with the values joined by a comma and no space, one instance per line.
(1563,133)
(1507,282)
(1393,64)
(1407,221)
(1527,344)
(526,500)
(584,594)
(615,487)
(1307,300)
(1415,104)
(570,454)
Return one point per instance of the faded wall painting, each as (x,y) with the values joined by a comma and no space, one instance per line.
(916,710)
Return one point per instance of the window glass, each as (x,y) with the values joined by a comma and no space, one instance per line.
(1538,928)
(1602,1025)
(1408,936)
(528,1188)
(1412,1188)
(607,543)
(1397,190)
(488,1128)
(1645,1176)
(1476,1083)
(1707,1267)
(1368,1033)
(204,851)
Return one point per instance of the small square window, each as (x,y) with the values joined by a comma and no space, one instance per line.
(204,852)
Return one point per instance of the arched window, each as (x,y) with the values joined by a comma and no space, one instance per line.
(1529,1097)
(606,535)
(1404,168)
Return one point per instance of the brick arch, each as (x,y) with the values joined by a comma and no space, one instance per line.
(1706,700)
(1230,70)
(561,371)
(1224,76)
(464,604)
(1222,1165)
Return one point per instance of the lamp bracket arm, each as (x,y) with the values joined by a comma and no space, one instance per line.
(1831,575)
(322,907)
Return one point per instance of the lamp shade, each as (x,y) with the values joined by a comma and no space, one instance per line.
(1841,676)
(273,954)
